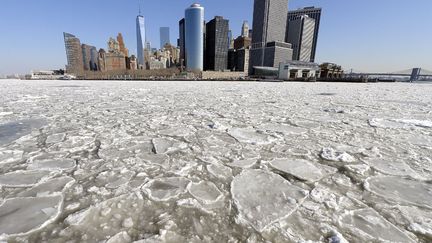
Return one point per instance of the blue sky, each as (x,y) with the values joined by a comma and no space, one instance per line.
(367,35)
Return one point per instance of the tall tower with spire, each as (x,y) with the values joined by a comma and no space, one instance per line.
(140,31)
(245,29)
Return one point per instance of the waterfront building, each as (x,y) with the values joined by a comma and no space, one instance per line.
(133,63)
(238,60)
(298,70)
(101,60)
(194,37)
(164,36)
(181,42)
(122,46)
(86,55)
(268,46)
(114,59)
(331,71)
(141,38)
(94,63)
(173,53)
(245,29)
(73,54)
(312,12)
(300,35)
(217,44)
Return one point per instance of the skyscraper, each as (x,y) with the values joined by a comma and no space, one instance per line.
(245,29)
(312,12)
(268,36)
(269,21)
(89,60)
(300,35)
(182,42)
(217,44)
(194,37)
(140,30)
(73,53)
(164,36)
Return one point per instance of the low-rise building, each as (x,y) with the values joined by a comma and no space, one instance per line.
(331,71)
(298,70)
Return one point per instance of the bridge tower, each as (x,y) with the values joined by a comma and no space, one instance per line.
(415,75)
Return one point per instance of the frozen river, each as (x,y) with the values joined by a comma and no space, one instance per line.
(84,161)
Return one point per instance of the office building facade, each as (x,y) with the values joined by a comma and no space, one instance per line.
(217,44)
(312,12)
(194,37)
(268,46)
(300,35)
(73,53)
(164,36)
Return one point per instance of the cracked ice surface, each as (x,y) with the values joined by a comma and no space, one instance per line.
(85,161)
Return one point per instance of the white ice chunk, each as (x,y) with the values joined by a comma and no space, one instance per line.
(332,155)
(249,135)
(122,237)
(22,178)
(302,169)
(9,156)
(401,190)
(263,198)
(392,167)
(245,163)
(204,191)
(167,145)
(165,189)
(283,128)
(399,123)
(369,225)
(23,215)
(49,187)
(52,164)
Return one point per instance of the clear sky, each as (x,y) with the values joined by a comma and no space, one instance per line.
(367,35)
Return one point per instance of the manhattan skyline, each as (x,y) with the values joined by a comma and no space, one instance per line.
(374,37)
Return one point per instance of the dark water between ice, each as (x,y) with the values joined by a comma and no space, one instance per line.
(11,131)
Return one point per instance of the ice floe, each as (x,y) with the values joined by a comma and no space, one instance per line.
(204,191)
(371,226)
(399,123)
(302,169)
(167,145)
(23,215)
(400,189)
(48,188)
(263,198)
(251,136)
(52,164)
(22,178)
(165,189)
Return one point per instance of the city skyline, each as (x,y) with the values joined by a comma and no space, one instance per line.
(342,34)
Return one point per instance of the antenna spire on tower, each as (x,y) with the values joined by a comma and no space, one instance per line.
(139,6)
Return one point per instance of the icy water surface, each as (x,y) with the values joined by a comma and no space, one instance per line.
(215,162)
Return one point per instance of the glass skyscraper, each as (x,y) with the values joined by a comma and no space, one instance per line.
(140,29)
(194,37)
(164,36)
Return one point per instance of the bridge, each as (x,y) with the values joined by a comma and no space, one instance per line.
(414,74)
